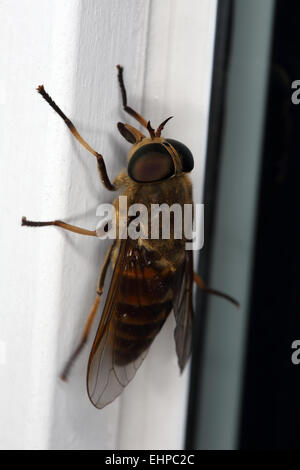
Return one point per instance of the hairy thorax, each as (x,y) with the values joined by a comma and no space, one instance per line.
(177,190)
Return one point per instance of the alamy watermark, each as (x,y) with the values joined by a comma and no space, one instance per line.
(296,94)
(295,358)
(164,222)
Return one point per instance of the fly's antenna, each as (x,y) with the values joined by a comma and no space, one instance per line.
(161,126)
(151,130)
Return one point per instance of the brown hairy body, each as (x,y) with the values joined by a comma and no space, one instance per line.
(151,276)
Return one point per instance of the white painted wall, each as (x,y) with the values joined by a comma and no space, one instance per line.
(48,278)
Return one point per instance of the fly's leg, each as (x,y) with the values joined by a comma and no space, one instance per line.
(90,319)
(200,283)
(101,165)
(128,109)
(59,223)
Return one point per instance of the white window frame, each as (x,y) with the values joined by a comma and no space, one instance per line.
(49,277)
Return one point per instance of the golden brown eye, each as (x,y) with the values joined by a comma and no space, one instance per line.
(151,163)
(152,167)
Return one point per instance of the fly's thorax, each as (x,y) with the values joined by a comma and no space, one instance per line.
(170,191)
(164,206)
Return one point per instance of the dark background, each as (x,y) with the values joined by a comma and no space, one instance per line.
(271,399)
(270,404)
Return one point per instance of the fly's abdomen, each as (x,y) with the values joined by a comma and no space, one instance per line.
(145,303)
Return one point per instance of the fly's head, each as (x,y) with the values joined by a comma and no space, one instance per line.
(154,159)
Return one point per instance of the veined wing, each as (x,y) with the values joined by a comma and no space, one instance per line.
(138,302)
(183,309)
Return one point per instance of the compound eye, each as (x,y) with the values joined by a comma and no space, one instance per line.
(186,156)
(151,163)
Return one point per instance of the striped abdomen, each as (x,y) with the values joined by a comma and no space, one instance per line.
(144,302)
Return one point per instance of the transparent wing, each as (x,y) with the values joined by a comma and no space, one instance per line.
(183,309)
(136,307)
